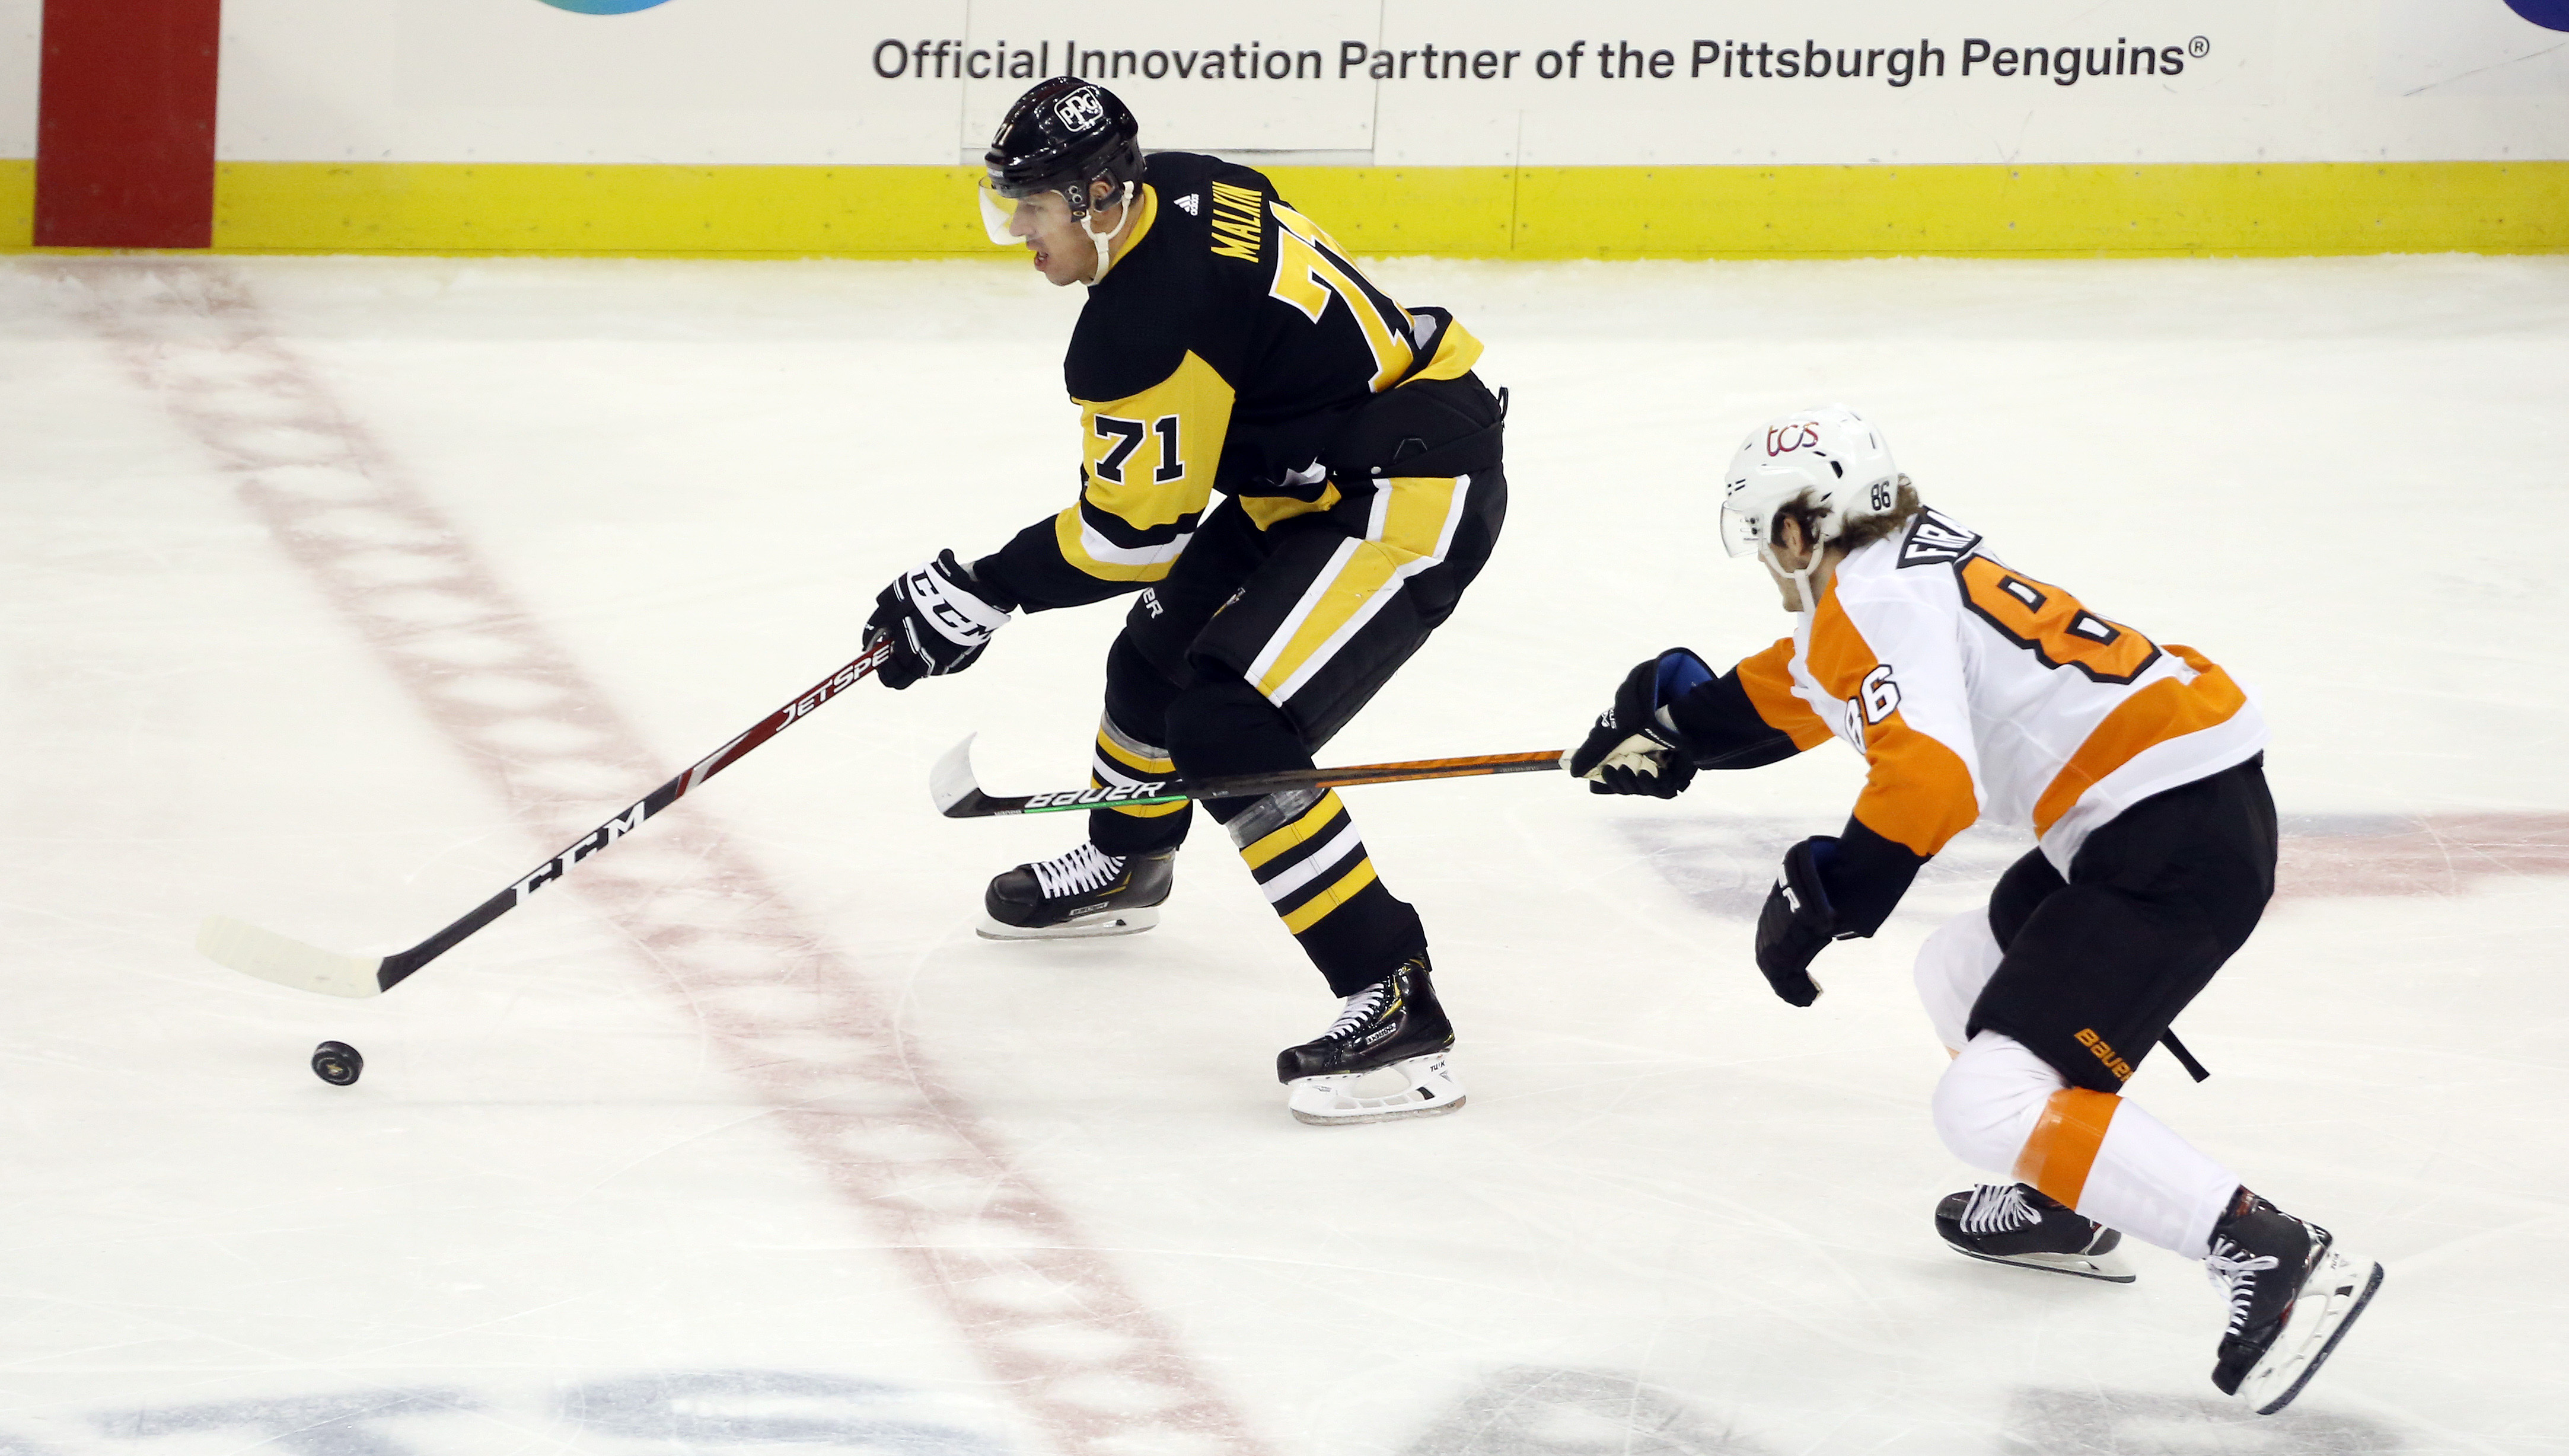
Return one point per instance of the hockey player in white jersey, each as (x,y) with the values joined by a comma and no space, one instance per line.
(1973,690)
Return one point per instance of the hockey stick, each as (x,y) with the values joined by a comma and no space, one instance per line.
(959,794)
(290,963)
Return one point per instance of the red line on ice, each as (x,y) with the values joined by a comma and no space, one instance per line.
(2437,855)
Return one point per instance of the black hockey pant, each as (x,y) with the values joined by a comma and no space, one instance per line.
(2097,964)
(1253,652)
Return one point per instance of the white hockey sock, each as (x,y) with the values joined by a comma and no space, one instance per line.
(2003,1109)
(2154,1185)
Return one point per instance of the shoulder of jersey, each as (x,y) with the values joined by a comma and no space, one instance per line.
(1880,572)
(1219,206)
(1172,296)
(1936,540)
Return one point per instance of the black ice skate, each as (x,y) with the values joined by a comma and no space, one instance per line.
(1383,1059)
(1085,892)
(2292,1295)
(2015,1224)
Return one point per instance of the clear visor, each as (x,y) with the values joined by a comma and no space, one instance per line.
(998,213)
(1741,533)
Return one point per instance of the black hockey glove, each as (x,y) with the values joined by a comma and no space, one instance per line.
(939,619)
(1797,921)
(1632,750)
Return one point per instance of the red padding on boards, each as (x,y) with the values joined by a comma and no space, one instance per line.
(125,129)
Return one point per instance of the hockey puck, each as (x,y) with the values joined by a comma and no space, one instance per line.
(337,1063)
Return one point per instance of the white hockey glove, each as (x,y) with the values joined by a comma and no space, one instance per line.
(939,619)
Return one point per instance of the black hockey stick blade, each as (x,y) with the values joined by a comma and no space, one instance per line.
(959,794)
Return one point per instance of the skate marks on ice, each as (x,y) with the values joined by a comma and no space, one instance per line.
(1085,1362)
(1530,1410)
(1537,1411)
(1724,865)
(737,1412)
(2090,1422)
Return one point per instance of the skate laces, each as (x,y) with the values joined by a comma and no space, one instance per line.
(1077,873)
(2235,1276)
(1359,1009)
(1998,1207)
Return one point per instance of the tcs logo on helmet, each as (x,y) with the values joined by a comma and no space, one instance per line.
(1792,435)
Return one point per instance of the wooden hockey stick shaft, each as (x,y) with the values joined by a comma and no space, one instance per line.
(270,956)
(959,796)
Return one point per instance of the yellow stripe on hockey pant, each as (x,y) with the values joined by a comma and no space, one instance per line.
(1414,512)
(1413,527)
(1312,821)
(1330,899)
(2063,1144)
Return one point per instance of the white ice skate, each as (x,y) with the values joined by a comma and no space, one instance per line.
(1415,1087)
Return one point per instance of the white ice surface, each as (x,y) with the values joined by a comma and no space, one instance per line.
(1677,1215)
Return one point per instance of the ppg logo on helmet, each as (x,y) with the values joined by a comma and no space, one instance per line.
(1081,111)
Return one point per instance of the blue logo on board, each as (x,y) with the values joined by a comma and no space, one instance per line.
(605,7)
(2549,14)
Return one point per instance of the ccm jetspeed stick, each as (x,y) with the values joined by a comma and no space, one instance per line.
(290,963)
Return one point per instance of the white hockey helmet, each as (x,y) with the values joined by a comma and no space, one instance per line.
(1831,453)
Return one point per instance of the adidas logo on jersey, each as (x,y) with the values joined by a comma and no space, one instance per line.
(1934,540)
(1191,202)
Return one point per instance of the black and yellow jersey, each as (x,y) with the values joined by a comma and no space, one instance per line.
(1224,350)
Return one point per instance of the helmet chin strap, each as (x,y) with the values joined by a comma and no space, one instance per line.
(1801,579)
(1100,241)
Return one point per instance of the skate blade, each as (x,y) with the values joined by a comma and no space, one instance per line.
(1084,928)
(2337,1292)
(2106,1266)
(1415,1087)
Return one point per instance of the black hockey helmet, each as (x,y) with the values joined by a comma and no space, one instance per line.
(1064,136)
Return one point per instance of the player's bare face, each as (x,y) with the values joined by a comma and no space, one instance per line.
(1063,252)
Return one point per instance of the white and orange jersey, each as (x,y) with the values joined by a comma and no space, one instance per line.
(1973,690)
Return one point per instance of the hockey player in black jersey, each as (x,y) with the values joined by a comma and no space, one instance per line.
(1228,345)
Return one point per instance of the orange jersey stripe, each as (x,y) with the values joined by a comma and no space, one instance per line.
(2065,1141)
(2165,709)
(1916,791)
(1767,678)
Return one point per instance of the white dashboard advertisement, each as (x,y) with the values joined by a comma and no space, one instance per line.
(1432,83)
